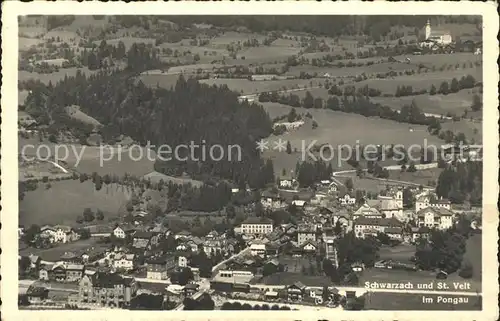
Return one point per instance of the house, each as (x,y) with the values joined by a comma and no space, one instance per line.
(257,226)
(121,232)
(286,183)
(333,187)
(44,273)
(309,246)
(258,249)
(239,276)
(194,244)
(106,290)
(347,199)
(124,261)
(272,249)
(48,232)
(431,217)
(74,272)
(145,239)
(182,234)
(306,233)
(371,226)
(417,233)
(299,203)
(431,200)
(272,200)
(183,259)
(58,273)
(212,235)
(366,210)
(296,291)
(65,234)
(37,294)
(394,233)
(158,267)
(24,119)
(211,247)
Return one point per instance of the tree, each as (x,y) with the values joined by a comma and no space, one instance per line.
(308,100)
(31,233)
(99,215)
(88,215)
(433,90)
(411,168)
(349,184)
(477,104)
(383,238)
(288,147)
(79,219)
(185,275)
(444,89)
(454,86)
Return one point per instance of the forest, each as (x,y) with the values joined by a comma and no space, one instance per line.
(189,112)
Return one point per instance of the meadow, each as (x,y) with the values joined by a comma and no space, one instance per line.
(65,200)
(336,129)
(55,76)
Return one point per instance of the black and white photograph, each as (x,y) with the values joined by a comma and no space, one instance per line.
(313,163)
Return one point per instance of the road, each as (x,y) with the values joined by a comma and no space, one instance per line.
(337,174)
(242,252)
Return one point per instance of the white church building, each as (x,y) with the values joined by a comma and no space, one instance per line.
(440,37)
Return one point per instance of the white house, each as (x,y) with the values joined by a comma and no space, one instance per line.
(299,203)
(257,225)
(347,200)
(48,232)
(257,248)
(286,183)
(65,234)
(430,200)
(119,233)
(271,200)
(124,261)
(431,217)
(309,246)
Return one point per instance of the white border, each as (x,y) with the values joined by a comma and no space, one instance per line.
(9,214)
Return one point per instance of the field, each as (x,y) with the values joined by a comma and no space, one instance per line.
(65,200)
(297,264)
(155,178)
(455,103)
(422,176)
(337,129)
(246,86)
(133,161)
(471,129)
(54,254)
(53,77)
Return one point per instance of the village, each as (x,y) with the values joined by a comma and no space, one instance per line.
(258,260)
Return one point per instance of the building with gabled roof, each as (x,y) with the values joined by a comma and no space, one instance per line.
(432,217)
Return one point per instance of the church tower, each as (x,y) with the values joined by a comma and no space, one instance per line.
(427,29)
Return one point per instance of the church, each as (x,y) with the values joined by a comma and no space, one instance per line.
(440,37)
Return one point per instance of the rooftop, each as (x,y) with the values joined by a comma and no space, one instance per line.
(257,220)
(378,221)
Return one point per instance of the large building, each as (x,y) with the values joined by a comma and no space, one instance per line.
(306,232)
(435,217)
(257,225)
(364,226)
(158,267)
(441,37)
(106,290)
